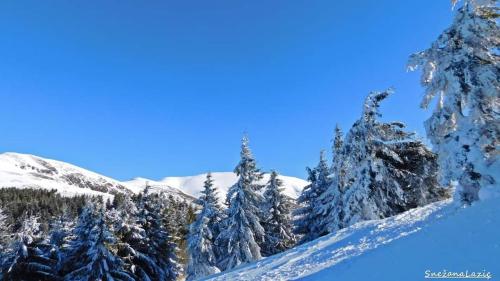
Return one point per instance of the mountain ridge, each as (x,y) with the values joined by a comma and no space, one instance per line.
(193,185)
(31,171)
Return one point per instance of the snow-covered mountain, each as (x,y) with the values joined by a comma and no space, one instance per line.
(29,171)
(431,239)
(193,185)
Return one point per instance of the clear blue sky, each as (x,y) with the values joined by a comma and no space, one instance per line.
(157,88)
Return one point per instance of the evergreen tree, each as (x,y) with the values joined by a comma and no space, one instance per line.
(155,252)
(202,234)
(129,233)
(89,255)
(331,200)
(338,142)
(27,258)
(311,221)
(277,222)
(182,218)
(61,230)
(462,69)
(4,232)
(178,215)
(383,171)
(242,231)
(47,204)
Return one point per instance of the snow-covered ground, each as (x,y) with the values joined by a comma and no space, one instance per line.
(29,171)
(437,237)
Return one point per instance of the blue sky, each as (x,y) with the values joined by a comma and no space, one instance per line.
(157,88)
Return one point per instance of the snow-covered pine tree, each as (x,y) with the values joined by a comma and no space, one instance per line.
(331,201)
(172,211)
(183,216)
(277,221)
(202,234)
(4,235)
(61,229)
(462,70)
(178,215)
(305,199)
(89,256)
(129,233)
(384,170)
(311,221)
(338,142)
(123,217)
(27,258)
(242,231)
(155,254)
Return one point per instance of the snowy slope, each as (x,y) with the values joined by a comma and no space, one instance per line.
(224,180)
(138,184)
(29,171)
(436,237)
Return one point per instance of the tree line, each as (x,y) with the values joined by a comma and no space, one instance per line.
(86,238)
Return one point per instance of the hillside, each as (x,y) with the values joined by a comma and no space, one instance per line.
(29,171)
(436,237)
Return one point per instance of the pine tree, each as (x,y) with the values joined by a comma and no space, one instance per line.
(27,257)
(178,215)
(182,221)
(331,200)
(462,69)
(89,255)
(61,229)
(305,201)
(202,234)
(4,232)
(242,231)
(338,142)
(155,252)
(311,222)
(129,233)
(383,171)
(277,222)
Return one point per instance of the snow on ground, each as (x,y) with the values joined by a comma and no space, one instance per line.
(224,180)
(437,237)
